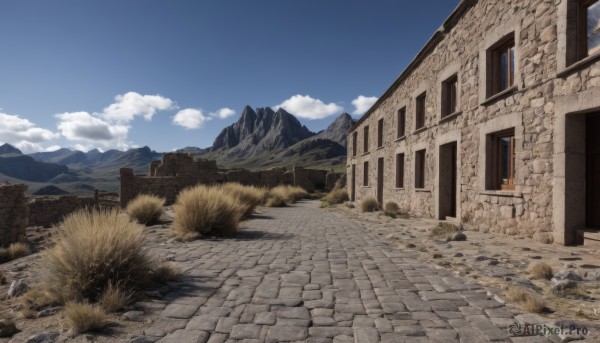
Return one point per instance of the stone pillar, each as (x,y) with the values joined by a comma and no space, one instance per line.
(127,189)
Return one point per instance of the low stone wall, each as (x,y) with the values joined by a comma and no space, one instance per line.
(49,210)
(14,214)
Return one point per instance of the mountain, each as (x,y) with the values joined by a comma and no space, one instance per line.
(50,190)
(264,138)
(16,165)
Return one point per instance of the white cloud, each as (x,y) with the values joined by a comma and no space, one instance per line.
(223,113)
(304,106)
(87,128)
(22,133)
(190,118)
(131,104)
(52,148)
(363,104)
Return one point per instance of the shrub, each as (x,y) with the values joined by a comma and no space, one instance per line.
(448,232)
(83,317)
(391,209)
(369,205)
(38,298)
(534,304)
(13,251)
(166,272)
(516,294)
(541,270)
(114,298)
(248,196)
(336,196)
(296,193)
(94,249)
(145,209)
(202,210)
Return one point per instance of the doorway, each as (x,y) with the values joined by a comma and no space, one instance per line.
(353,184)
(448,181)
(592,178)
(380,181)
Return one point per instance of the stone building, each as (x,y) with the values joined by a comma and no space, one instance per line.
(495,123)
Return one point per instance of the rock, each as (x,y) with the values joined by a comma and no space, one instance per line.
(593,276)
(459,237)
(493,262)
(7,328)
(44,337)
(134,316)
(143,339)
(564,285)
(459,254)
(566,275)
(544,237)
(480,258)
(17,287)
(49,311)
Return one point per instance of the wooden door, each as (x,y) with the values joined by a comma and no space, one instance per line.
(593,171)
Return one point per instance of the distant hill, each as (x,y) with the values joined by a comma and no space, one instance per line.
(265,138)
(50,190)
(14,164)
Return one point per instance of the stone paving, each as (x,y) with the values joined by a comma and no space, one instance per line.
(301,274)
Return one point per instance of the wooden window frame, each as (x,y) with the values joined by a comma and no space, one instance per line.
(420,109)
(496,163)
(380,133)
(582,39)
(366,139)
(450,96)
(420,157)
(506,45)
(401,127)
(366,174)
(400,170)
(354,143)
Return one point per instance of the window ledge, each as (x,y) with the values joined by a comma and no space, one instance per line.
(507,194)
(399,188)
(399,139)
(380,147)
(450,117)
(366,186)
(366,153)
(422,190)
(498,96)
(419,130)
(578,65)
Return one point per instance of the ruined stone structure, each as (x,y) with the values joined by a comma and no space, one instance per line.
(494,124)
(50,210)
(14,214)
(177,171)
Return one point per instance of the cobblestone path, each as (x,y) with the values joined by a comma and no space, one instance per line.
(300,274)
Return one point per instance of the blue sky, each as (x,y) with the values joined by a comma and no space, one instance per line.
(169,74)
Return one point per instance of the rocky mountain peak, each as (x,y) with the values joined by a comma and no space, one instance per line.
(6,149)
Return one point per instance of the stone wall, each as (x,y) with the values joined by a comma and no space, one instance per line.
(13,214)
(50,210)
(177,171)
(545,93)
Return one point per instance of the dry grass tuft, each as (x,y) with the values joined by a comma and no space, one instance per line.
(248,196)
(391,209)
(534,304)
(202,210)
(335,197)
(576,291)
(448,232)
(83,317)
(166,272)
(13,251)
(369,205)
(516,294)
(541,270)
(146,209)
(285,195)
(94,249)
(38,298)
(115,298)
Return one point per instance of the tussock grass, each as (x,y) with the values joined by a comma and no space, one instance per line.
(145,209)
(527,300)
(95,249)
(115,298)
(369,205)
(448,232)
(391,209)
(534,304)
(248,196)
(516,294)
(285,195)
(202,210)
(84,317)
(38,298)
(576,291)
(166,272)
(541,270)
(335,197)
(13,251)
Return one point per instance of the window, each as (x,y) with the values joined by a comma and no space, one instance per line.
(366,174)
(366,140)
(589,28)
(420,111)
(380,133)
(401,122)
(503,160)
(400,171)
(420,169)
(354,142)
(503,65)
(449,96)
